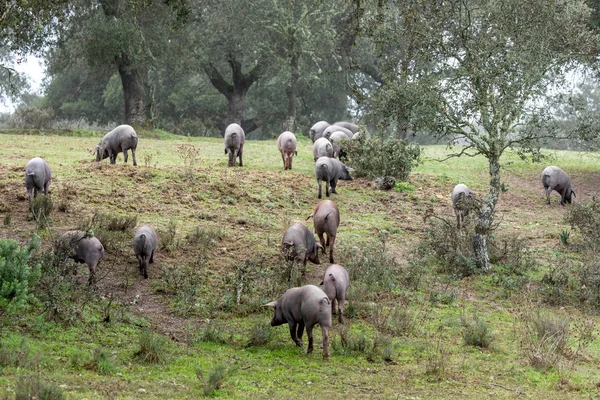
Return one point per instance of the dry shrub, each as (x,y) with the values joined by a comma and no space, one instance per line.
(544,339)
(585,218)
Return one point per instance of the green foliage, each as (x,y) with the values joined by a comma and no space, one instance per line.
(33,387)
(585,218)
(215,380)
(152,347)
(564,237)
(396,321)
(372,157)
(476,332)
(184,282)
(41,207)
(30,117)
(168,237)
(17,276)
(122,223)
(260,335)
(16,358)
(101,362)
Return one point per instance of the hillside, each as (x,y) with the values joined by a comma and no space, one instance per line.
(225,226)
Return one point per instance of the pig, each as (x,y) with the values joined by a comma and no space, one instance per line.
(234,143)
(302,307)
(336,139)
(322,148)
(334,128)
(554,178)
(330,170)
(461,202)
(299,244)
(144,245)
(335,284)
(120,139)
(37,177)
(326,218)
(82,248)
(347,125)
(316,131)
(286,144)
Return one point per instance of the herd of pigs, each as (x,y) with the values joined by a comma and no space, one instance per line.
(299,307)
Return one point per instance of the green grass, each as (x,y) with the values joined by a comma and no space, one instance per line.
(250,207)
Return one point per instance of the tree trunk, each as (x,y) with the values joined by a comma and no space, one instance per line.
(486,217)
(133,91)
(236,103)
(292,91)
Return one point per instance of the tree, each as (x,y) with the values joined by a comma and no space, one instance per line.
(499,58)
(495,60)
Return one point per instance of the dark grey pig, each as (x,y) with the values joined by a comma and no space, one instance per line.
(554,178)
(234,143)
(322,148)
(82,248)
(336,139)
(348,125)
(302,307)
(299,244)
(120,139)
(334,128)
(335,284)
(286,144)
(462,198)
(316,131)
(326,219)
(144,245)
(330,170)
(37,177)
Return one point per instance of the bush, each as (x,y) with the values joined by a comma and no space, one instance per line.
(41,207)
(152,347)
(544,339)
(260,335)
(204,239)
(184,282)
(17,277)
(476,332)
(30,117)
(585,217)
(168,240)
(215,379)
(122,223)
(33,387)
(372,157)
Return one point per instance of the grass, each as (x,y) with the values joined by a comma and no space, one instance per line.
(233,215)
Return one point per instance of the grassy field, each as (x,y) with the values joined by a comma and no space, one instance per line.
(217,223)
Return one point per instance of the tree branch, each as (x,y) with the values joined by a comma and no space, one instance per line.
(218,81)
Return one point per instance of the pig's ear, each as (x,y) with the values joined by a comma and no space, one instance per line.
(321,284)
(271,304)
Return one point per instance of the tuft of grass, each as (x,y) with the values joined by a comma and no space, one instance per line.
(152,347)
(122,223)
(544,339)
(260,334)
(41,208)
(214,381)
(564,237)
(101,362)
(33,387)
(204,239)
(476,331)
(7,219)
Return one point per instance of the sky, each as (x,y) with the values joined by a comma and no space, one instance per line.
(33,67)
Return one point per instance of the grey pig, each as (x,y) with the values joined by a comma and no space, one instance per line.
(286,144)
(334,128)
(120,139)
(330,170)
(322,148)
(554,178)
(37,177)
(461,202)
(348,125)
(298,243)
(336,139)
(316,131)
(302,307)
(335,284)
(144,245)
(234,143)
(82,248)
(326,220)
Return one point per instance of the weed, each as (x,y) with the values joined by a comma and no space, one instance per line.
(191,159)
(204,239)
(10,357)
(101,362)
(544,339)
(398,320)
(184,282)
(122,223)
(7,219)
(212,334)
(404,187)
(152,347)
(77,360)
(476,332)
(214,381)
(33,387)
(437,358)
(585,217)
(41,207)
(149,161)
(260,334)
(168,237)
(564,237)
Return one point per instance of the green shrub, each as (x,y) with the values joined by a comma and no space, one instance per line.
(476,332)
(214,381)
(101,362)
(372,157)
(122,223)
(204,239)
(260,334)
(585,218)
(152,347)
(33,387)
(168,237)
(41,207)
(17,277)
(544,339)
